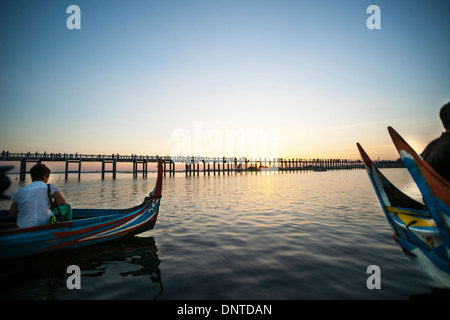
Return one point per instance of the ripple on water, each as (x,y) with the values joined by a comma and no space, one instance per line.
(303,235)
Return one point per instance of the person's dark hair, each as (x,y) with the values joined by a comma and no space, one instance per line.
(445,115)
(39,171)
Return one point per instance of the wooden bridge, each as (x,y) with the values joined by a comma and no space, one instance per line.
(188,165)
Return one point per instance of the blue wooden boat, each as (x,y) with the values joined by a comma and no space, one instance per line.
(88,227)
(421,229)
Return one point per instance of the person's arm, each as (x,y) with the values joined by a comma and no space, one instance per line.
(59,199)
(14,210)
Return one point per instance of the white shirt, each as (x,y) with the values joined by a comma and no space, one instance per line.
(33,204)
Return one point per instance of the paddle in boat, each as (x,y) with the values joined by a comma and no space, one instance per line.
(421,229)
(88,226)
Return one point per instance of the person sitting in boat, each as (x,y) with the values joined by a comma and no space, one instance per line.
(437,153)
(31,204)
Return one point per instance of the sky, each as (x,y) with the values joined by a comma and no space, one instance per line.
(284,78)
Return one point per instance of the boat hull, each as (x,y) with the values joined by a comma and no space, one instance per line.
(413,225)
(74,234)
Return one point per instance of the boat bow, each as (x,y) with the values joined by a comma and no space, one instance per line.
(413,224)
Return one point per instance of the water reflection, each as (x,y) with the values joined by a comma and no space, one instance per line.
(243,236)
(133,263)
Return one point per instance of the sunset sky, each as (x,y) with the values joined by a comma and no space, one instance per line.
(173,76)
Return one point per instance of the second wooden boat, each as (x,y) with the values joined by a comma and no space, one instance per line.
(413,223)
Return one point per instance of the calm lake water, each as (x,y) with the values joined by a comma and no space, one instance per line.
(286,235)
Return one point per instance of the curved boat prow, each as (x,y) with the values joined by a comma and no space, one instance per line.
(365,158)
(414,228)
(158,187)
(388,194)
(434,188)
(438,185)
